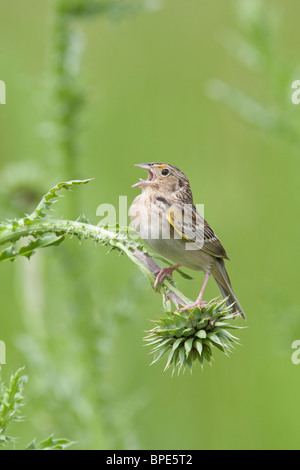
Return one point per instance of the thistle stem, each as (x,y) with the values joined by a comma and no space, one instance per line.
(14,231)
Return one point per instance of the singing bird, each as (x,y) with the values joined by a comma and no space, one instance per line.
(165,217)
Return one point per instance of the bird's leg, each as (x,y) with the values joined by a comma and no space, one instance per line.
(162,273)
(198,303)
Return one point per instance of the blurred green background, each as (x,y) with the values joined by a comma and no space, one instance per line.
(205,86)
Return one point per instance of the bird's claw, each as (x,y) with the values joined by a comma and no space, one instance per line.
(198,304)
(162,273)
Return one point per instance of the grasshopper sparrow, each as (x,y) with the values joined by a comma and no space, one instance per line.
(166,219)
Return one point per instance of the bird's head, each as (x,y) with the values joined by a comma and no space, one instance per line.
(165,179)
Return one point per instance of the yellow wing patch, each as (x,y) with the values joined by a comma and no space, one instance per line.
(191,226)
(174,218)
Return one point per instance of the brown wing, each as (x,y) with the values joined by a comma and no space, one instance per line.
(212,244)
(190,225)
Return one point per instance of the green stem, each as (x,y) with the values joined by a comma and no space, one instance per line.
(12,232)
(27,227)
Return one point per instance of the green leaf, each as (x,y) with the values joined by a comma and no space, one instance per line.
(179,320)
(181,356)
(188,346)
(177,332)
(167,305)
(202,324)
(214,338)
(177,343)
(161,353)
(48,198)
(11,253)
(222,324)
(188,331)
(230,337)
(11,402)
(8,254)
(83,219)
(207,353)
(201,334)
(170,357)
(199,346)
(162,343)
(50,444)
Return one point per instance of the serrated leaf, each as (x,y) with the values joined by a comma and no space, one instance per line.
(11,253)
(50,444)
(83,219)
(8,254)
(11,400)
(48,198)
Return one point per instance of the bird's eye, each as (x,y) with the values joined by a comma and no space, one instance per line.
(165,172)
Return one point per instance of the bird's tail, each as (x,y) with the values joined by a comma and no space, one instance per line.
(222,279)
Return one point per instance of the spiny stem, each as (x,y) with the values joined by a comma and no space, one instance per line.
(26,227)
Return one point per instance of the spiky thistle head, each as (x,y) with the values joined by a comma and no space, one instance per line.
(188,337)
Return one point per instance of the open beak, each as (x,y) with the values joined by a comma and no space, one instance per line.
(143,183)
